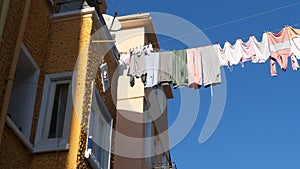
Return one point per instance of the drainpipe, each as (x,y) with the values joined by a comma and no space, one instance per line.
(13,67)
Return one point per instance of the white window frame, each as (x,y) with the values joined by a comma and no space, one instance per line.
(33,81)
(42,142)
(100,105)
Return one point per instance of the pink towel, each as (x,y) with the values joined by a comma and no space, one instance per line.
(194,68)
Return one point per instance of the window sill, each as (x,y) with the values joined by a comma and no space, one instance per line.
(42,148)
(17,132)
(45,146)
(49,148)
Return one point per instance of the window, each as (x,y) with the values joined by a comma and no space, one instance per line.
(55,114)
(165,163)
(70,5)
(22,98)
(99,134)
(148,134)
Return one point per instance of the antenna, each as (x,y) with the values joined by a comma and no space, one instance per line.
(112,22)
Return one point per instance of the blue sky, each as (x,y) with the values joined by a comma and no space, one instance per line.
(260,127)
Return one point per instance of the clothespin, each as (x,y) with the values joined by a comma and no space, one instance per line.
(102,61)
(230,67)
(242,63)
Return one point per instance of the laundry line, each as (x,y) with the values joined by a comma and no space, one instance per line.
(244,37)
(200,66)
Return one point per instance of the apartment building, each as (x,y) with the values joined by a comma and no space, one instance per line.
(142,112)
(58,108)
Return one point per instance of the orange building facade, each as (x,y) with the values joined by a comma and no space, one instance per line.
(54,98)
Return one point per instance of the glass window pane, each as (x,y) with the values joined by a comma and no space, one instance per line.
(59,111)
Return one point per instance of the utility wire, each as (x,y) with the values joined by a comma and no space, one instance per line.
(233,21)
(251,16)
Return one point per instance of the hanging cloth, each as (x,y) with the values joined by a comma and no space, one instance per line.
(194,68)
(104,77)
(248,49)
(230,54)
(262,51)
(210,65)
(223,59)
(294,35)
(165,67)
(180,73)
(137,63)
(151,68)
(280,50)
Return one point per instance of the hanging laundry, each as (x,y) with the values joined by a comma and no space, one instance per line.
(280,50)
(194,68)
(180,75)
(223,59)
(256,51)
(292,31)
(210,65)
(262,51)
(295,64)
(137,63)
(165,67)
(295,46)
(104,77)
(151,68)
(248,51)
(230,54)
(123,62)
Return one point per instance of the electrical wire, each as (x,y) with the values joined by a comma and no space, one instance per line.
(233,21)
(250,16)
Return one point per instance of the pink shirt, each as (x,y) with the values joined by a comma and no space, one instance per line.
(280,50)
(248,50)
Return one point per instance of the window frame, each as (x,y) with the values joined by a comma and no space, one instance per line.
(107,117)
(34,79)
(42,142)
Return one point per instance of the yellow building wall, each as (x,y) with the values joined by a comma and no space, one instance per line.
(68,38)
(55,46)
(10,144)
(13,153)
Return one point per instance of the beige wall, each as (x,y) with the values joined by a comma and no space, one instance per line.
(131,100)
(130,38)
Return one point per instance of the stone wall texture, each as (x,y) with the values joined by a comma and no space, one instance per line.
(56,45)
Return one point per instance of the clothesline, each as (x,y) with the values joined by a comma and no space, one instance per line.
(201,65)
(244,37)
